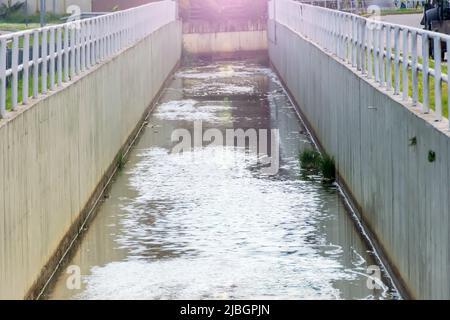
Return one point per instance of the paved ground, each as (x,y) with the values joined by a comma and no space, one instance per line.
(412,20)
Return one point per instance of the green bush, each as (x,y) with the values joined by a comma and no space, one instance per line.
(328,168)
(8,9)
(309,159)
(312,160)
(20,17)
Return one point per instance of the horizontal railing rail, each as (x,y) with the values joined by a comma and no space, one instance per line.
(397,57)
(36,61)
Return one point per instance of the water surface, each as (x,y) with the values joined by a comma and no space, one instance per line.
(207,224)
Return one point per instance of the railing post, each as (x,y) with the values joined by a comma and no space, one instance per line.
(359,45)
(381,63)
(44,64)
(437,79)
(425,73)
(15,75)
(72,52)
(102,38)
(88,44)
(415,82)
(354,41)
(2,77)
(388,58)
(369,53)
(66,53)
(35,64)
(405,82)
(339,40)
(109,36)
(82,46)
(59,55)
(26,67)
(397,60)
(98,40)
(448,84)
(52,59)
(77,47)
(375,53)
(364,47)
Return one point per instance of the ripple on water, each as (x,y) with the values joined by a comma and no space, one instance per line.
(220,241)
(206,224)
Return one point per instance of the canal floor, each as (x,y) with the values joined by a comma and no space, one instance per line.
(207,223)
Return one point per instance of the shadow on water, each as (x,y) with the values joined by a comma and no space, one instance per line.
(206,223)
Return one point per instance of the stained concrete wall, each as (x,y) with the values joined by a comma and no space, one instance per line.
(54,153)
(403,198)
(225,42)
(224,39)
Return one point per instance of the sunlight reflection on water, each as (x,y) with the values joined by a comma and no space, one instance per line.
(205,224)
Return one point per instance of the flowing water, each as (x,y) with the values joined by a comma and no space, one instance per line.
(207,222)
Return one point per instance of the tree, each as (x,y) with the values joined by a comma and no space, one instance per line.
(9,8)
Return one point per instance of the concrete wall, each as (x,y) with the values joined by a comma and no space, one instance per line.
(225,39)
(225,42)
(54,153)
(403,198)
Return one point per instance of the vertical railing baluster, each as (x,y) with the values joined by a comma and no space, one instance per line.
(72,51)
(364,47)
(102,38)
(375,53)
(99,39)
(381,64)
(66,53)
(448,83)
(105,37)
(124,30)
(35,64)
(354,41)
(82,46)
(437,79)
(3,51)
(15,73)
(425,73)
(358,45)
(26,68)
(52,59)
(405,82)
(369,52)
(415,82)
(397,60)
(77,46)
(88,44)
(59,67)
(108,36)
(44,56)
(116,46)
(388,58)
(96,41)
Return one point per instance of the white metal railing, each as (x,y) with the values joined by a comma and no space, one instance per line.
(395,56)
(35,61)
